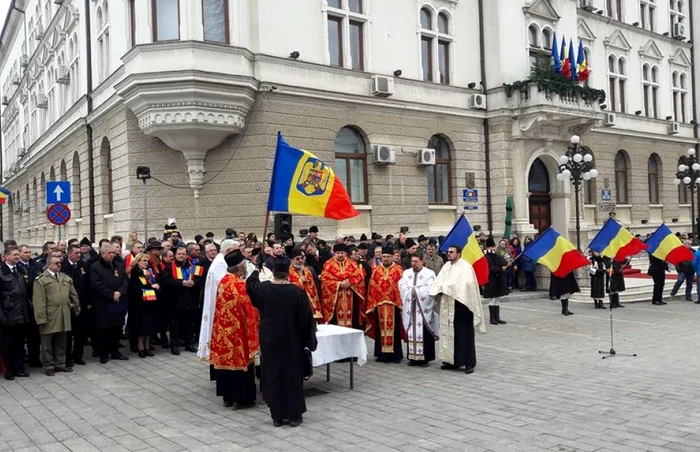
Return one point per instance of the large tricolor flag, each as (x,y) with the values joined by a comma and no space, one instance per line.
(582,63)
(4,195)
(556,253)
(616,242)
(555,54)
(664,245)
(303,184)
(462,235)
(573,66)
(564,58)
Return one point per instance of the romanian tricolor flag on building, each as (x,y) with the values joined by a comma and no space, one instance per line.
(664,245)
(462,235)
(4,195)
(556,253)
(616,242)
(303,184)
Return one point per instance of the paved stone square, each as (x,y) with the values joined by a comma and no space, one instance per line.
(540,385)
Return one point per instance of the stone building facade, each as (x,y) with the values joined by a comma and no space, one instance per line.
(197,91)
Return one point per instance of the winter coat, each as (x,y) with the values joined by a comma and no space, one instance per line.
(14,301)
(106,278)
(497,285)
(54,301)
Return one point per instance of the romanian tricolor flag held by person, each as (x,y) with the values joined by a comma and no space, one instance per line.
(303,184)
(4,195)
(616,242)
(582,63)
(556,253)
(462,235)
(664,245)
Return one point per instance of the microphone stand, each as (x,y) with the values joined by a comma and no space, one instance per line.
(612,353)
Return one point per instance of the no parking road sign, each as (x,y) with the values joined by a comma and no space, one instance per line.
(58,214)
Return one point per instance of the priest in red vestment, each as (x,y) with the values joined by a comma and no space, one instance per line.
(234,339)
(383,309)
(342,290)
(300,275)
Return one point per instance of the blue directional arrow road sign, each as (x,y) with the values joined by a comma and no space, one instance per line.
(58,192)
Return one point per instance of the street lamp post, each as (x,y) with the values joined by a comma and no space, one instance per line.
(577,166)
(689,174)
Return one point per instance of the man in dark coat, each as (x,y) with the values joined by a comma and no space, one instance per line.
(75,268)
(657,270)
(497,287)
(45,252)
(109,290)
(184,282)
(32,269)
(14,313)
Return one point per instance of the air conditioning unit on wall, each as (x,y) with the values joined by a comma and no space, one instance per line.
(673,128)
(382,86)
(384,155)
(609,119)
(477,102)
(426,157)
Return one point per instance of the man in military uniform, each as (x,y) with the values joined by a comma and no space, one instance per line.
(55,300)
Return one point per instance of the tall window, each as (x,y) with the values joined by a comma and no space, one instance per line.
(215,17)
(682,189)
(166,20)
(647,13)
(351,163)
(650,84)
(436,39)
(103,45)
(676,12)
(132,22)
(346,33)
(106,165)
(76,185)
(439,174)
(679,90)
(589,190)
(617,79)
(621,177)
(614,9)
(654,172)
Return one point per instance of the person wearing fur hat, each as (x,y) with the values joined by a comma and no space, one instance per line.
(497,286)
(86,250)
(342,290)
(410,246)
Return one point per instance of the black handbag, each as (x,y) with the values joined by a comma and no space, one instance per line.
(308,364)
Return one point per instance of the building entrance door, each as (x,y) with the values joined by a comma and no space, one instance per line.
(540,201)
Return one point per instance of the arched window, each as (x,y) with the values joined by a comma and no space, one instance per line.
(589,186)
(547,39)
(621,177)
(617,79)
(435,47)
(35,200)
(215,20)
(533,36)
(682,189)
(650,90)
(351,163)
(76,185)
(42,193)
(654,173)
(647,14)
(166,20)
(64,171)
(614,9)
(52,174)
(107,181)
(103,42)
(439,174)
(538,178)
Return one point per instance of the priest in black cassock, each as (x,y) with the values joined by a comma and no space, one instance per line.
(287,328)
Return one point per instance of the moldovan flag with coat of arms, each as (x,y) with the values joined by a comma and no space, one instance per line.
(303,184)
(462,235)
(664,245)
(616,242)
(556,253)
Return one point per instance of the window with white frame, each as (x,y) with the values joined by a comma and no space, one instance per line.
(676,12)
(346,20)
(679,89)
(617,83)
(73,62)
(614,9)
(51,95)
(647,14)
(650,90)
(435,45)
(103,45)
(587,54)
(166,20)
(539,46)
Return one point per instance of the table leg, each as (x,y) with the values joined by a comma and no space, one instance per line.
(328,372)
(352,374)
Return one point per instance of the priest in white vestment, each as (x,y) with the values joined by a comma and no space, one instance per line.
(456,293)
(217,270)
(419,317)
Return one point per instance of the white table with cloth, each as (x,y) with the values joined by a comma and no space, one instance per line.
(336,343)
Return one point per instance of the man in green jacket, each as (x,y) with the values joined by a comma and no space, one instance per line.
(55,298)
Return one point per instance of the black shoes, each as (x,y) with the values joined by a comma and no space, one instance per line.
(9,376)
(149,353)
(493,315)
(104,360)
(565,308)
(79,361)
(296,422)
(277,423)
(22,374)
(469,370)
(498,316)
(658,303)
(70,363)
(142,353)
(175,351)
(119,357)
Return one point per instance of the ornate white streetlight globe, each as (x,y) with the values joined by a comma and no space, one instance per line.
(677,181)
(578,158)
(560,176)
(682,167)
(586,176)
(575,139)
(691,151)
(566,173)
(696,166)
(686,180)
(593,173)
(697,181)
(563,160)
(588,158)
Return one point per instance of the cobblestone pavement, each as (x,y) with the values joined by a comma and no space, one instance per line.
(540,385)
